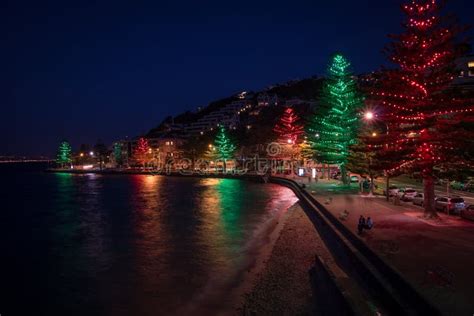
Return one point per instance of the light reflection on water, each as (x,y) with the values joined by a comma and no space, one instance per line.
(116,245)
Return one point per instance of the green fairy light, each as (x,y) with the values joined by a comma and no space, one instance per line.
(224,146)
(336,122)
(64,154)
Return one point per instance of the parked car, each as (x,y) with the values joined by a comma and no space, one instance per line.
(468,213)
(452,204)
(354,179)
(419,199)
(392,190)
(408,195)
(401,191)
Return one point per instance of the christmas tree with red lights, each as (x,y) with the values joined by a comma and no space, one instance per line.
(425,122)
(288,129)
(141,151)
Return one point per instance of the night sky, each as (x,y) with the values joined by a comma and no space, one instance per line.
(89,70)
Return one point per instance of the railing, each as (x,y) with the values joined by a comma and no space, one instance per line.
(386,283)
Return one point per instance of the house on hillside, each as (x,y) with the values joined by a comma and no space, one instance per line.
(465,66)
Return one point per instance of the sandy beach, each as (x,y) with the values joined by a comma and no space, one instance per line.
(283,286)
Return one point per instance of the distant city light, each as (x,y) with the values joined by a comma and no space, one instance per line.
(91,153)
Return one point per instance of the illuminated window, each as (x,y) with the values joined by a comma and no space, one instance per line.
(167,143)
(171,143)
(470,64)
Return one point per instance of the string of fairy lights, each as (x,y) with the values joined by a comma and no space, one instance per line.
(334,130)
(412,98)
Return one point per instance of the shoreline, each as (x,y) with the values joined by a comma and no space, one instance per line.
(283,284)
(227,296)
(260,264)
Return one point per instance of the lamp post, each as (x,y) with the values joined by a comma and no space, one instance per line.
(369,116)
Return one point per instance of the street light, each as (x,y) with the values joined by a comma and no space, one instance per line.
(369,115)
(91,153)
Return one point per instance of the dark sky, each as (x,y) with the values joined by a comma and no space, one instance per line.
(89,70)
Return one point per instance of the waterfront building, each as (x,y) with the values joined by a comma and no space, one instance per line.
(465,66)
(162,149)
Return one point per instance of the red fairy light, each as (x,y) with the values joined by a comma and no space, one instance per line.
(414,98)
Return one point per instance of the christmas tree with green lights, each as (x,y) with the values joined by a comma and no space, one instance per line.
(118,154)
(335,126)
(224,147)
(64,154)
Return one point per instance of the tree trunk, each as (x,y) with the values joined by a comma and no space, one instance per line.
(429,196)
(344,174)
(372,185)
(387,185)
(329,172)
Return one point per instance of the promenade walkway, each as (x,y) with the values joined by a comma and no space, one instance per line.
(434,256)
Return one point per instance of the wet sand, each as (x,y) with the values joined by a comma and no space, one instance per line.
(283,286)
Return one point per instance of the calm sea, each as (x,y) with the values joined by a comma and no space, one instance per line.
(128,245)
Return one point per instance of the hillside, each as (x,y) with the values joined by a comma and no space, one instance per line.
(297,93)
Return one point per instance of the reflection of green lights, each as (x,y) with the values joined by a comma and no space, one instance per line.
(230,204)
(65,208)
(64,178)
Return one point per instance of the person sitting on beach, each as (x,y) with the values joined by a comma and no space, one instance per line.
(369,224)
(361,225)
